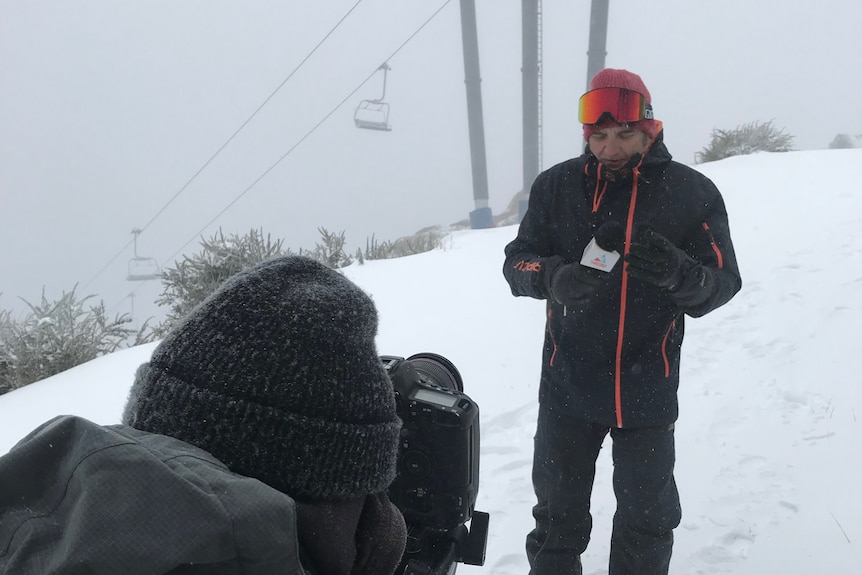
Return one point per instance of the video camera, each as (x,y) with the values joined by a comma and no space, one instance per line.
(438,466)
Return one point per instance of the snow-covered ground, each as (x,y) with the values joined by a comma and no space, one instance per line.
(769,442)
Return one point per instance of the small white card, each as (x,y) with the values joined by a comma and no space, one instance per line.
(597,258)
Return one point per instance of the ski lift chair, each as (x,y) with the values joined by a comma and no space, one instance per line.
(374,114)
(143,269)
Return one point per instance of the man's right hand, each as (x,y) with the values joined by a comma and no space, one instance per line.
(573,284)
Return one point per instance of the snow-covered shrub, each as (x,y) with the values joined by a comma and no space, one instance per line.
(193,278)
(746,139)
(58,335)
(420,242)
(844,141)
(330,252)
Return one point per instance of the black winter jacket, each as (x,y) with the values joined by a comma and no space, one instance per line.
(616,360)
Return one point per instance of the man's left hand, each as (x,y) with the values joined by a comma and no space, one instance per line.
(653,258)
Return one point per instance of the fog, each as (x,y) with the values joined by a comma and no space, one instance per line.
(109,110)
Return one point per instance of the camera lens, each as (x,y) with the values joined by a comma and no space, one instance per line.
(440,370)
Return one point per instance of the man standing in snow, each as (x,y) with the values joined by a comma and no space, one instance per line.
(614,330)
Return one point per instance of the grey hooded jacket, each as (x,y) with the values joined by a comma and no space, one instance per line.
(80,498)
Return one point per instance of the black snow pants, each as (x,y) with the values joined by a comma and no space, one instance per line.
(648,508)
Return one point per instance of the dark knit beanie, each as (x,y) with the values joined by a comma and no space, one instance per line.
(277,375)
(618,78)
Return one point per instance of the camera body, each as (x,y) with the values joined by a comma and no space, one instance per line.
(438,460)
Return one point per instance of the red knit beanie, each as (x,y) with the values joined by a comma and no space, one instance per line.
(618,78)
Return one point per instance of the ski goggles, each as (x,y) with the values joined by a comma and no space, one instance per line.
(623,105)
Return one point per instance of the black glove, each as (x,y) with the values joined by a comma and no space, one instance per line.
(653,258)
(573,284)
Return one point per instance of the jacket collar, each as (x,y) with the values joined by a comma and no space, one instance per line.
(656,155)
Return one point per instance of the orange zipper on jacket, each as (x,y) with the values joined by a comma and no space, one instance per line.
(618,401)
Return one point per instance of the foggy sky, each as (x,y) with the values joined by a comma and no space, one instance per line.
(108,108)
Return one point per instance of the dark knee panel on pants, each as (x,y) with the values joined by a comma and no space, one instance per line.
(647,496)
(648,507)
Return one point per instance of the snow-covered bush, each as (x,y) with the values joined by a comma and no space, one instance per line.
(374,250)
(330,251)
(420,242)
(746,139)
(844,141)
(58,335)
(193,278)
(196,276)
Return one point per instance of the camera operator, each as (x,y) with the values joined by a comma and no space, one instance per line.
(260,438)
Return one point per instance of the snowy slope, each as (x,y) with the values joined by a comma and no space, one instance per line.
(769,439)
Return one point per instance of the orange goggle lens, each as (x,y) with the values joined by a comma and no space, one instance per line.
(623,105)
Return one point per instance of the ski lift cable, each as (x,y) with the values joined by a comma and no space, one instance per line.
(253,114)
(226,142)
(292,148)
(108,264)
(306,136)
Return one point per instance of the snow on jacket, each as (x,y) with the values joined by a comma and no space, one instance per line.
(616,361)
(80,498)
